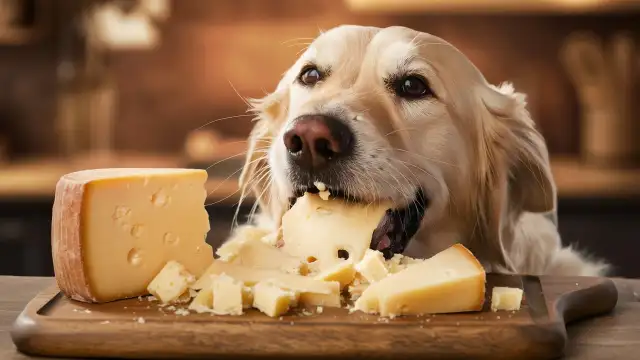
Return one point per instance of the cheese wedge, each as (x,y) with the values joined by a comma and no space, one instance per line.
(372,267)
(325,232)
(114,229)
(450,281)
(400,262)
(506,298)
(171,282)
(246,248)
(312,291)
(273,300)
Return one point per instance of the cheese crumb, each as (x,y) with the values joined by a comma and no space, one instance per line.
(319,309)
(183,312)
(105,322)
(320,186)
(141,320)
(324,195)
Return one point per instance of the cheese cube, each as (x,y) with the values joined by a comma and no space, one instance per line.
(343,272)
(171,282)
(372,267)
(506,298)
(273,300)
(246,248)
(203,302)
(450,281)
(227,295)
(114,229)
(312,291)
(325,231)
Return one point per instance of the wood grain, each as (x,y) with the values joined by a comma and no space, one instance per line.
(53,325)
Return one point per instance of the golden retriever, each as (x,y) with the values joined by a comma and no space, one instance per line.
(403,116)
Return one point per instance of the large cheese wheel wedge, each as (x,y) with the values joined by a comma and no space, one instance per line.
(450,281)
(113,230)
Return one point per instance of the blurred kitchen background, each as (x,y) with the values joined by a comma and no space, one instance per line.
(87,84)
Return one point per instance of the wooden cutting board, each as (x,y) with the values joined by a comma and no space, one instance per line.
(52,325)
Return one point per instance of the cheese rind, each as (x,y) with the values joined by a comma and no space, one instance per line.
(506,298)
(114,229)
(312,291)
(171,282)
(273,300)
(450,281)
(372,267)
(318,229)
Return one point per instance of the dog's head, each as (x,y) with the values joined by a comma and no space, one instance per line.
(400,115)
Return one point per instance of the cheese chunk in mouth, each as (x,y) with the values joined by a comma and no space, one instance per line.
(396,227)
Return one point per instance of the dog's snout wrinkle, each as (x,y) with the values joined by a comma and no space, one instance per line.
(315,141)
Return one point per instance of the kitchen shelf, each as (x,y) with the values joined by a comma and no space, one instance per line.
(494,6)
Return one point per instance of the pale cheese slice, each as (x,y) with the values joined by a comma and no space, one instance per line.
(312,291)
(114,229)
(372,267)
(246,248)
(324,231)
(171,282)
(273,300)
(506,298)
(227,295)
(450,281)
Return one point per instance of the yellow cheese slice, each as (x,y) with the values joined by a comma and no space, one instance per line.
(114,229)
(450,281)
(343,272)
(312,291)
(324,232)
(246,248)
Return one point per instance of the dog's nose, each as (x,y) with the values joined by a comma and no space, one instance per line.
(316,140)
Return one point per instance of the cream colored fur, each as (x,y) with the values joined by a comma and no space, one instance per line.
(473,148)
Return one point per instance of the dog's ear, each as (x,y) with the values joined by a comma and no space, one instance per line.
(255,176)
(516,177)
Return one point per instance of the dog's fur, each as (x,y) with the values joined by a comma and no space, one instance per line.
(473,148)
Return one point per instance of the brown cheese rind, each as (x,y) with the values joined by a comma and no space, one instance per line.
(66,241)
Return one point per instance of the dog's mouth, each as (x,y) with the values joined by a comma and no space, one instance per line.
(397,226)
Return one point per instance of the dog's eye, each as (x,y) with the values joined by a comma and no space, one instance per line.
(310,76)
(412,87)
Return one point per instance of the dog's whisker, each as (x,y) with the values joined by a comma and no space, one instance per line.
(224,118)
(240,96)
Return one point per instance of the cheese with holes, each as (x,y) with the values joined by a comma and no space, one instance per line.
(343,272)
(273,300)
(312,291)
(506,298)
(326,232)
(114,229)
(450,281)
(171,282)
(372,267)
(227,295)
(246,248)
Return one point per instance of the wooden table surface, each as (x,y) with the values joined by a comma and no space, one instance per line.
(613,336)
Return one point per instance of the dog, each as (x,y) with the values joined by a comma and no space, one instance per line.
(403,116)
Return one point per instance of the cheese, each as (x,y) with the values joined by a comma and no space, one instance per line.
(203,302)
(450,281)
(273,300)
(343,272)
(243,234)
(322,231)
(114,229)
(506,298)
(400,262)
(227,295)
(248,250)
(372,267)
(312,291)
(171,282)
(247,297)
